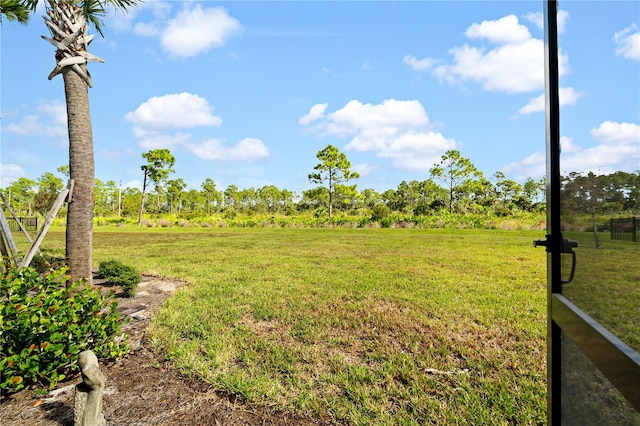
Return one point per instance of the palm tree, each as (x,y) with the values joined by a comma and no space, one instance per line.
(14,10)
(67,21)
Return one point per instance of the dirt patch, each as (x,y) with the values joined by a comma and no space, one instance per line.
(143,388)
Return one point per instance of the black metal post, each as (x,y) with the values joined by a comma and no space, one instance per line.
(554,249)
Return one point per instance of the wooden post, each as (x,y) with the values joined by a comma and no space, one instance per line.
(5,263)
(8,244)
(47,224)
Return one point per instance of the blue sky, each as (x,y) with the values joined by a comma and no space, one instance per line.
(247,93)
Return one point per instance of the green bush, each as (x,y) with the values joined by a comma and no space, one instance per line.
(379,212)
(119,274)
(110,268)
(49,259)
(44,326)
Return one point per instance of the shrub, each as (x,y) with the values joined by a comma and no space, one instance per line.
(421,210)
(119,221)
(44,327)
(321,212)
(379,212)
(49,260)
(119,274)
(387,221)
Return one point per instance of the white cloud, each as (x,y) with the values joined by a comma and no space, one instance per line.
(618,148)
(602,159)
(181,110)
(536,104)
(511,68)
(364,169)
(567,146)
(155,117)
(197,30)
(505,30)
(395,130)
(415,151)
(119,21)
(613,133)
(50,120)
(628,42)
(419,64)
(192,31)
(248,149)
(116,155)
(568,96)
(315,113)
(389,117)
(10,173)
(563,18)
(149,29)
(152,139)
(515,65)
(532,166)
(56,110)
(537,19)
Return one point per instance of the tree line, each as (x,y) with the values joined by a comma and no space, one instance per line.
(454,185)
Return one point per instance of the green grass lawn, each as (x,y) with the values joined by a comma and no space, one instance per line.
(368,326)
(607,284)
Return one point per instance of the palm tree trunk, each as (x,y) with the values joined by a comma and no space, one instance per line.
(81,170)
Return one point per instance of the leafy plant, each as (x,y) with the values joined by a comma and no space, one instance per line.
(379,212)
(44,326)
(123,275)
(49,259)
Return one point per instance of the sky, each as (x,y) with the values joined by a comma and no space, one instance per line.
(247,93)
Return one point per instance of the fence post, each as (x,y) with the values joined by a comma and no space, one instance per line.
(611,227)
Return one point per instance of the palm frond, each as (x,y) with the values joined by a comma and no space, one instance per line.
(93,10)
(124,5)
(15,10)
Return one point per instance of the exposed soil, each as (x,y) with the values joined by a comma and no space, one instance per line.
(143,388)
